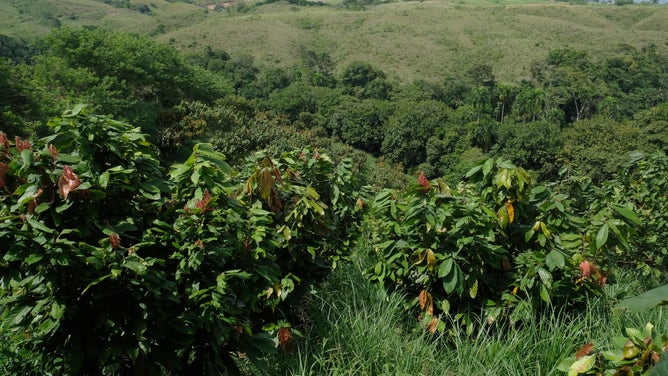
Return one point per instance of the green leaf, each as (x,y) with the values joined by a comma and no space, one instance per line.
(453,280)
(566,363)
(582,365)
(473,291)
(545,276)
(602,236)
(627,213)
(555,260)
(445,267)
(104,179)
(135,265)
(661,368)
(33,258)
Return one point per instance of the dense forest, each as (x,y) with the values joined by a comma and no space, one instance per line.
(167,211)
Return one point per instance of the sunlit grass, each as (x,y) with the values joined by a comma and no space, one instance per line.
(355,328)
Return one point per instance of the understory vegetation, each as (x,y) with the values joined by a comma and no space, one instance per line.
(164,212)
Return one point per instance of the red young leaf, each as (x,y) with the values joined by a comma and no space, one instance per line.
(422,180)
(584,350)
(114,240)
(53,152)
(4,168)
(21,145)
(4,141)
(68,182)
(284,336)
(585,268)
(201,204)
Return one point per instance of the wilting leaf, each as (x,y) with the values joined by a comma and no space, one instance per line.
(582,365)
(511,211)
(584,350)
(68,182)
(423,298)
(630,350)
(426,302)
(433,325)
(431,259)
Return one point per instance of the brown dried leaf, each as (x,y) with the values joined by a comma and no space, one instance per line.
(423,299)
(433,325)
(584,350)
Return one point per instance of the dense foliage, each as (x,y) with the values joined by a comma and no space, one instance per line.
(110,264)
(117,259)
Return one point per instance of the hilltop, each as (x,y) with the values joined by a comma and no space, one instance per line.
(409,40)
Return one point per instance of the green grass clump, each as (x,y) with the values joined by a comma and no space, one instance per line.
(352,327)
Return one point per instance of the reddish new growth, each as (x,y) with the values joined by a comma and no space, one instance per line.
(422,180)
(589,270)
(202,204)
(4,141)
(22,145)
(114,240)
(284,338)
(53,152)
(4,168)
(68,182)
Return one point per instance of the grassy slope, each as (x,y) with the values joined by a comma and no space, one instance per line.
(409,40)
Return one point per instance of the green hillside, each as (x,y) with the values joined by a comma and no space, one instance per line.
(408,40)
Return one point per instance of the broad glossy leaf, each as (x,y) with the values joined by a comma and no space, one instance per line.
(646,300)
(453,280)
(135,265)
(602,236)
(555,260)
(661,368)
(445,267)
(627,213)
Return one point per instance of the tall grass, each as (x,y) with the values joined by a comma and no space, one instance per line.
(356,328)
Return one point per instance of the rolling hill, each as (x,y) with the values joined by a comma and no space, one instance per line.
(409,40)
